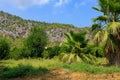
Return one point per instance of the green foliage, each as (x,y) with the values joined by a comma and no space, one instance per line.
(27,67)
(97,51)
(4,48)
(88,58)
(108,29)
(18,50)
(84,67)
(36,41)
(69,58)
(19,53)
(76,49)
(46,54)
(25,52)
(50,52)
(21,70)
(15,53)
(74,42)
(32,67)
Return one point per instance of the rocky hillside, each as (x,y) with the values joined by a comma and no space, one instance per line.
(16,27)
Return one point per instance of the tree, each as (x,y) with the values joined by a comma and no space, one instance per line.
(4,48)
(36,41)
(107,29)
(75,47)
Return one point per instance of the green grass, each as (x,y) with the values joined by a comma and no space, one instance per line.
(27,67)
(84,67)
(33,67)
(100,67)
(36,63)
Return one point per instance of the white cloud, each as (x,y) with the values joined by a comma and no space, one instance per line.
(23,4)
(61,2)
(77,5)
(83,3)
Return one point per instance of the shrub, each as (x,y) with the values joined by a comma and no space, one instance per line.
(15,53)
(18,50)
(50,52)
(20,70)
(97,51)
(25,52)
(36,41)
(45,54)
(69,58)
(4,48)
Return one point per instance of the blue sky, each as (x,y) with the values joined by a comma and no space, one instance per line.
(75,12)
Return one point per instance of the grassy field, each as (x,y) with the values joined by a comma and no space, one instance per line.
(31,67)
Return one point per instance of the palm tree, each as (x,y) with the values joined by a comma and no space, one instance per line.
(107,29)
(76,45)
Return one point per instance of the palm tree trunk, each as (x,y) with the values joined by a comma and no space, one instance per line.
(113,56)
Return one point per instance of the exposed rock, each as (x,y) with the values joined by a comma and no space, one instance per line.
(16,27)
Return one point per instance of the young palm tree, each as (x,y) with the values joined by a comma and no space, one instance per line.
(76,45)
(107,29)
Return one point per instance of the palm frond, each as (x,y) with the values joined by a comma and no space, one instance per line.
(96,27)
(101,37)
(97,9)
(101,18)
(70,58)
(113,28)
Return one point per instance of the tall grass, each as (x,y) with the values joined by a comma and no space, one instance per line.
(27,67)
(47,63)
(31,67)
(97,69)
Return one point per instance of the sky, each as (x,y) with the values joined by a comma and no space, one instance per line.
(76,12)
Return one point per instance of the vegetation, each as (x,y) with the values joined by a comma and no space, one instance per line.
(27,67)
(4,48)
(36,42)
(51,52)
(31,67)
(76,48)
(107,28)
(15,27)
(32,50)
(16,49)
(83,67)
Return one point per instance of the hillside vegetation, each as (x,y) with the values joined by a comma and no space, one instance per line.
(61,51)
(16,27)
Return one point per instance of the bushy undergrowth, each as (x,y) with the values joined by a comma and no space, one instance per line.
(83,67)
(35,45)
(36,41)
(51,52)
(4,48)
(32,67)
(21,71)
(27,67)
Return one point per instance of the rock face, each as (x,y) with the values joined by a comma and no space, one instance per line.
(13,26)
(19,32)
(16,27)
(57,34)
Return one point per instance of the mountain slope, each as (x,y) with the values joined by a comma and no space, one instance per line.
(16,27)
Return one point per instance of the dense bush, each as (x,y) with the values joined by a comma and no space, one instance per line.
(20,70)
(25,52)
(15,53)
(36,41)
(97,51)
(50,52)
(17,50)
(76,48)
(4,48)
